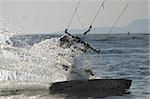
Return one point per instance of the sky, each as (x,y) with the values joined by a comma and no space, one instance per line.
(42,16)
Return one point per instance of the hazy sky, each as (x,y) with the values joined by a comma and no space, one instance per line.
(54,15)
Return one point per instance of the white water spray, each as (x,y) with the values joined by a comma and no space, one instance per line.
(45,62)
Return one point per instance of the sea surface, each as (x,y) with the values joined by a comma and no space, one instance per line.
(121,56)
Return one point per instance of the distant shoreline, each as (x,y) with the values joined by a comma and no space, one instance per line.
(82,34)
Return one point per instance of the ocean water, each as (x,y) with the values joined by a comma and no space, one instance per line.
(34,59)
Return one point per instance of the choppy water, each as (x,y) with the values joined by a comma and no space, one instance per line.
(122,56)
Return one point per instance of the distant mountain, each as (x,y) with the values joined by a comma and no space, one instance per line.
(141,26)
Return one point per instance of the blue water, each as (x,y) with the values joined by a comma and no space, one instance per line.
(121,56)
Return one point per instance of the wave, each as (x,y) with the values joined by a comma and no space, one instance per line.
(48,61)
